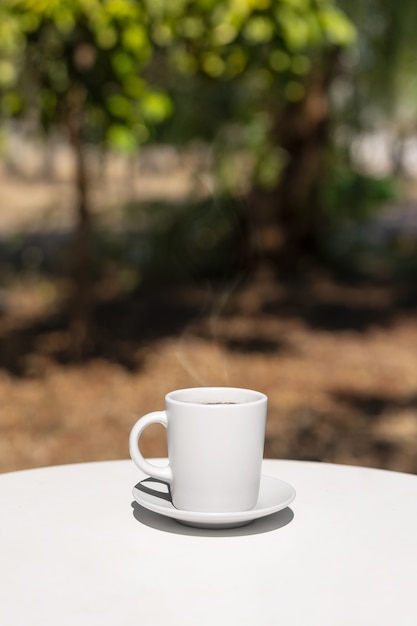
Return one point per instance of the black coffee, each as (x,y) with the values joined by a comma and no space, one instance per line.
(219,403)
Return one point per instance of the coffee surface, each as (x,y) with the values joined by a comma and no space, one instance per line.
(219,403)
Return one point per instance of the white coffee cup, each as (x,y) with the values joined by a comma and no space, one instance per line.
(215,447)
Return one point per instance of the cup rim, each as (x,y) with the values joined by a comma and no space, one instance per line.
(258,396)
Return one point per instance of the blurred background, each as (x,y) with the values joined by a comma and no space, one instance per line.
(208,193)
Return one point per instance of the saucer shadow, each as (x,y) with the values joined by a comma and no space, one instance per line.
(171,525)
(159,488)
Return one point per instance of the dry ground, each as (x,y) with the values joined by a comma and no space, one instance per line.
(338,362)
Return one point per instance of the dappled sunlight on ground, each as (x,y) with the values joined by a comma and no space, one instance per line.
(339,364)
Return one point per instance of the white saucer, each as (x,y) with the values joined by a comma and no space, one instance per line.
(274,495)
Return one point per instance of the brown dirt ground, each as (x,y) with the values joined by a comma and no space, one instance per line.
(338,362)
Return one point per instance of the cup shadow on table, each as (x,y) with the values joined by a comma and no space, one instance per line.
(265,524)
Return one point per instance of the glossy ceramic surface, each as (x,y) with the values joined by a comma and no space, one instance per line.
(215,438)
(274,495)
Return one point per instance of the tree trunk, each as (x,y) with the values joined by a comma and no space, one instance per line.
(81,262)
(291,211)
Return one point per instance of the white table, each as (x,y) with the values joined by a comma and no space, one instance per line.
(75,550)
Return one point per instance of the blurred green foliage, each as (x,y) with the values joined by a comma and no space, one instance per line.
(130,65)
(197,240)
(350,195)
(83,54)
(234,67)
(121,73)
(382,66)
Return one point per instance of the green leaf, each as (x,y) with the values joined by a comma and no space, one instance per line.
(156,106)
(300,64)
(259,29)
(134,86)
(162,34)
(135,38)
(11,103)
(224,33)
(279,61)
(183,61)
(236,61)
(338,29)
(192,27)
(106,37)
(8,74)
(123,63)
(294,91)
(121,138)
(269,168)
(121,9)
(260,5)
(213,64)
(119,106)
(294,27)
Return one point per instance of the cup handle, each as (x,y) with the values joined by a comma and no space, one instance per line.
(161,473)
